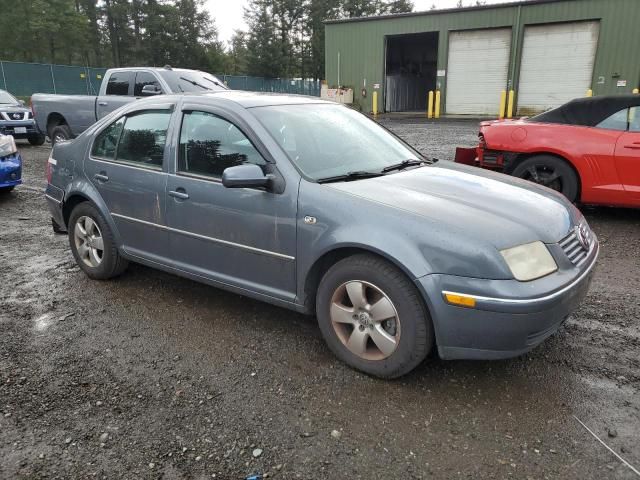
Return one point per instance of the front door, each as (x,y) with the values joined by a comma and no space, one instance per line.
(628,155)
(126,167)
(240,237)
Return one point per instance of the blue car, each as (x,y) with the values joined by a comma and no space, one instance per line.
(10,164)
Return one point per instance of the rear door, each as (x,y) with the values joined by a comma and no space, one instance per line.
(628,154)
(127,165)
(237,236)
(119,92)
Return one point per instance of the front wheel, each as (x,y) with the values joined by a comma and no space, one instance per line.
(372,317)
(551,172)
(36,140)
(93,245)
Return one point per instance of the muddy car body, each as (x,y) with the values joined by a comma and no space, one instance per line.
(311,206)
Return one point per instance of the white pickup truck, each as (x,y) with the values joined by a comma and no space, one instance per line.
(62,117)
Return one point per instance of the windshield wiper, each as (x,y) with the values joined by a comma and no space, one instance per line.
(356,175)
(402,165)
(193,82)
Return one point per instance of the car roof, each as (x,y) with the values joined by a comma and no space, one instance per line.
(243,98)
(588,111)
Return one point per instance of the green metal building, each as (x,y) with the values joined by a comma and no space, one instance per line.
(546,51)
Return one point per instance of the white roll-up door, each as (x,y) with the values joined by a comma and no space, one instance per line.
(477,70)
(557,64)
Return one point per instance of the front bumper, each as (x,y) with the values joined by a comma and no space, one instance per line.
(27,129)
(510,317)
(10,171)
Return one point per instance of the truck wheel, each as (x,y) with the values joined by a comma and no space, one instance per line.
(61,133)
(92,244)
(37,140)
(551,172)
(372,317)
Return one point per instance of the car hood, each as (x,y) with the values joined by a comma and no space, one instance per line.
(482,205)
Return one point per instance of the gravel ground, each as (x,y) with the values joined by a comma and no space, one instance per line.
(155,376)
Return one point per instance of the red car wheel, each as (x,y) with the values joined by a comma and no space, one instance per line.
(551,172)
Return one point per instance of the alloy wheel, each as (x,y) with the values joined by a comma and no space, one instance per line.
(544,175)
(365,320)
(88,241)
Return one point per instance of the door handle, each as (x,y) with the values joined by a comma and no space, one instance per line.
(179,193)
(101,177)
(103,104)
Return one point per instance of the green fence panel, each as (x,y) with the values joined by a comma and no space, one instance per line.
(23,79)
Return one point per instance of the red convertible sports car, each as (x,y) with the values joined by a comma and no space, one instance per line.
(588,149)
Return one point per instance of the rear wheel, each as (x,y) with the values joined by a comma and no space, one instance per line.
(60,133)
(36,140)
(372,317)
(6,190)
(551,172)
(93,245)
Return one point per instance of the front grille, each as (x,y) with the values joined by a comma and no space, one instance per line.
(16,116)
(575,247)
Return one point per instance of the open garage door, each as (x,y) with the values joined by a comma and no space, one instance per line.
(557,64)
(478,69)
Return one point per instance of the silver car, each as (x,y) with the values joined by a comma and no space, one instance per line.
(312,206)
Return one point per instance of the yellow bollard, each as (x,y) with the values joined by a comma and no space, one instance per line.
(375,103)
(437,108)
(589,93)
(430,105)
(635,90)
(503,103)
(512,96)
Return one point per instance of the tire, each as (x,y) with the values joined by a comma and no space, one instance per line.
(410,329)
(60,133)
(6,190)
(98,266)
(551,172)
(36,140)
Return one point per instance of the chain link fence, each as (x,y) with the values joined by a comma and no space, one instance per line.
(25,79)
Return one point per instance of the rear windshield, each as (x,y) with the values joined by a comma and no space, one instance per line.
(191,81)
(6,99)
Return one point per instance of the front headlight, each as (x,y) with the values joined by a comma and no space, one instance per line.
(7,145)
(529,261)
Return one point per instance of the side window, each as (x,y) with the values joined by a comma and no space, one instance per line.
(119,83)
(209,144)
(142,79)
(634,119)
(143,138)
(105,144)
(617,121)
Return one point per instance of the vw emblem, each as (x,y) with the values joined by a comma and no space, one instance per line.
(582,233)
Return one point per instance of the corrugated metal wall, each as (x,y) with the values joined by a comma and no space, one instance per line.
(355,51)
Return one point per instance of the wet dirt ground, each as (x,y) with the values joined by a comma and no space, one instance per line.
(155,376)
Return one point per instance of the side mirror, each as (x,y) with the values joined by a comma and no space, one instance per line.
(150,90)
(245,176)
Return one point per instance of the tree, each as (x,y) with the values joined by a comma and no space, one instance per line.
(264,48)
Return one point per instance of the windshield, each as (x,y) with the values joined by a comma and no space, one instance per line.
(191,81)
(6,99)
(325,140)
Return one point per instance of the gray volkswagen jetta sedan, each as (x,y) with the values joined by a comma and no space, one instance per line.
(312,206)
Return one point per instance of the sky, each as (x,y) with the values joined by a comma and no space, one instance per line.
(228,13)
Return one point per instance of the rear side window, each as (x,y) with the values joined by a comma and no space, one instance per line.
(617,121)
(138,139)
(634,119)
(142,79)
(105,144)
(210,144)
(143,138)
(119,83)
